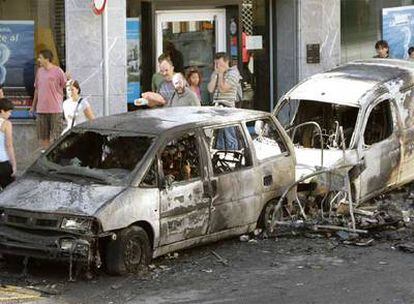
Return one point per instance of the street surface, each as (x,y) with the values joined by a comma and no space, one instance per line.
(301,269)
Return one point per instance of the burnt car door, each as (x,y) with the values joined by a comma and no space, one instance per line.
(184,205)
(406,103)
(276,164)
(380,148)
(232,177)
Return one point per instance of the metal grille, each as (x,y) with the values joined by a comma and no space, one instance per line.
(247,16)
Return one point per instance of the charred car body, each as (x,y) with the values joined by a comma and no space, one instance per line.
(129,187)
(359,116)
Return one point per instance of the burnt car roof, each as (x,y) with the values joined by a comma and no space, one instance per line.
(157,121)
(346,84)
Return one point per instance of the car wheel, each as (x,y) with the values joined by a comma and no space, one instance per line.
(268,214)
(129,253)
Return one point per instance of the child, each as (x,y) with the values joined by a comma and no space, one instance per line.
(7,158)
(194,80)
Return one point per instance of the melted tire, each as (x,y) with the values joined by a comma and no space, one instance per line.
(129,253)
(267,216)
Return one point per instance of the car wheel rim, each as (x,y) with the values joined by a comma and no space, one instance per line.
(133,254)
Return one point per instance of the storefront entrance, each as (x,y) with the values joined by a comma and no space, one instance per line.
(191,38)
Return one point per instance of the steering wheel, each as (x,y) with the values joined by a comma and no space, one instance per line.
(221,165)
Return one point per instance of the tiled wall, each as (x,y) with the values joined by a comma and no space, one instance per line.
(84,52)
(319,22)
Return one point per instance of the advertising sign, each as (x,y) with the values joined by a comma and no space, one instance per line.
(17,63)
(398,30)
(133,58)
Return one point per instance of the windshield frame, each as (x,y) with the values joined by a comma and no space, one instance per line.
(287,99)
(42,165)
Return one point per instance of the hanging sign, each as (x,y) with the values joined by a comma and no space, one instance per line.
(98,6)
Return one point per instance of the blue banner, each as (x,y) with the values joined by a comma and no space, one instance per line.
(17,63)
(133,33)
(398,30)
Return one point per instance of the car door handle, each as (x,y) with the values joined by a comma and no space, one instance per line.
(267,180)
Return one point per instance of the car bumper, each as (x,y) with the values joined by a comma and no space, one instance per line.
(56,246)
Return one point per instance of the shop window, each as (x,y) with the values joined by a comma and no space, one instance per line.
(134,62)
(266,139)
(227,147)
(26,27)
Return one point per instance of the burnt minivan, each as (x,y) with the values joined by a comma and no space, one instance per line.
(123,189)
(359,115)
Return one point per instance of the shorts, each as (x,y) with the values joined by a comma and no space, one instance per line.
(5,174)
(49,126)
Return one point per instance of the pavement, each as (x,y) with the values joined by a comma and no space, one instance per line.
(294,269)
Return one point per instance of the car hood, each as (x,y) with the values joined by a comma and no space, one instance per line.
(35,194)
(309,160)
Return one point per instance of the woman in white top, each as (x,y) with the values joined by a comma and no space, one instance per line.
(7,158)
(76,109)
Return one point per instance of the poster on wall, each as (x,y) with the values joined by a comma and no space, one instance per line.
(17,63)
(133,59)
(398,30)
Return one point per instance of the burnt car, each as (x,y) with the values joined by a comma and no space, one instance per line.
(359,116)
(123,189)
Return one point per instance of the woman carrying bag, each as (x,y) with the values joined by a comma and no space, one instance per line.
(76,109)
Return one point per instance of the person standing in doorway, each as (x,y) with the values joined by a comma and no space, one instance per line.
(76,109)
(224,81)
(7,158)
(183,96)
(194,81)
(157,78)
(165,91)
(382,49)
(50,84)
(224,84)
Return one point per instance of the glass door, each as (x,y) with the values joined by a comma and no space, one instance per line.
(191,38)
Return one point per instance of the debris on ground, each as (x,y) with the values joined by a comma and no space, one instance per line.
(220,258)
(406,247)
(333,212)
(244,238)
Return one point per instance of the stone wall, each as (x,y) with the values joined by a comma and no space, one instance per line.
(303,22)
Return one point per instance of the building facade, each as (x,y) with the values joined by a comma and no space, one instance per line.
(274,43)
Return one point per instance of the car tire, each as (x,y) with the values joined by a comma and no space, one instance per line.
(129,253)
(266,216)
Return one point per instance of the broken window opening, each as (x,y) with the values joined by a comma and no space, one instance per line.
(331,117)
(380,123)
(266,139)
(228,149)
(112,155)
(181,160)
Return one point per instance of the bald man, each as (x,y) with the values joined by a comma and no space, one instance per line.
(181,97)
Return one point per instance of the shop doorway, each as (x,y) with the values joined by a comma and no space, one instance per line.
(192,37)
